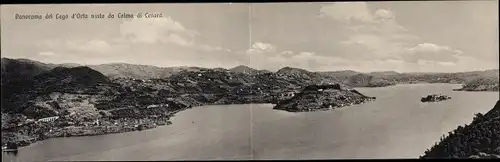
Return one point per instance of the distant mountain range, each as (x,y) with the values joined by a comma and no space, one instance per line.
(349,77)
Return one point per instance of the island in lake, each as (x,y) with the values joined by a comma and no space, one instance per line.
(435,98)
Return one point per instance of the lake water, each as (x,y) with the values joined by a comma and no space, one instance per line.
(396,125)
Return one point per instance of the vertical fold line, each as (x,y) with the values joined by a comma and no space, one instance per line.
(252,152)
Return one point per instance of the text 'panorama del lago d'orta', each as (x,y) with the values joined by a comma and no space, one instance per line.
(386,81)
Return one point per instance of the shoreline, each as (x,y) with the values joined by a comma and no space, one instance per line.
(461,89)
(24,143)
(91,131)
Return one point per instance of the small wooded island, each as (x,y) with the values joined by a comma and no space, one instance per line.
(435,98)
(322,97)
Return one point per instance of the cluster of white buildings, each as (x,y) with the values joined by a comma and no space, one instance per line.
(49,119)
(153,106)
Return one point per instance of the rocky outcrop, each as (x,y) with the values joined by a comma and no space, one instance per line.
(435,98)
(322,97)
(480,139)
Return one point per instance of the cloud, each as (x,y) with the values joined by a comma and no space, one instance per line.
(177,39)
(447,63)
(403,37)
(263,46)
(378,35)
(213,48)
(384,14)
(429,47)
(47,53)
(307,60)
(92,46)
(161,42)
(155,30)
(361,47)
(348,11)
(260,47)
(431,52)
(163,30)
(370,35)
(136,36)
(265,56)
(356,13)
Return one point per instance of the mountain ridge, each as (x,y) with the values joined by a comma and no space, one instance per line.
(350,77)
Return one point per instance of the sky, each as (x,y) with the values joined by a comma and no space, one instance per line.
(418,36)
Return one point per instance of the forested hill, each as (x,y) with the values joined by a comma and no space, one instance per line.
(480,139)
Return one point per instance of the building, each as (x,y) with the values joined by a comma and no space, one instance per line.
(289,93)
(49,119)
(96,122)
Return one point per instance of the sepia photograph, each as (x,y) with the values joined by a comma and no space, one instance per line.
(250,81)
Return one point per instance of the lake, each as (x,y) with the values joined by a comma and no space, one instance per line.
(396,125)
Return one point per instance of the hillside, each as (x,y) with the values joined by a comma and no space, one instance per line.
(294,72)
(365,80)
(342,75)
(460,77)
(148,96)
(481,84)
(236,87)
(80,96)
(358,79)
(480,139)
(134,71)
(16,77)
(309,77)
(244,69)
(384,73)
(349,77)
(488,81)
(21,95)
(21,69)
(70,80)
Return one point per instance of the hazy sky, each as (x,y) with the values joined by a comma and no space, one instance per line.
(442,36)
